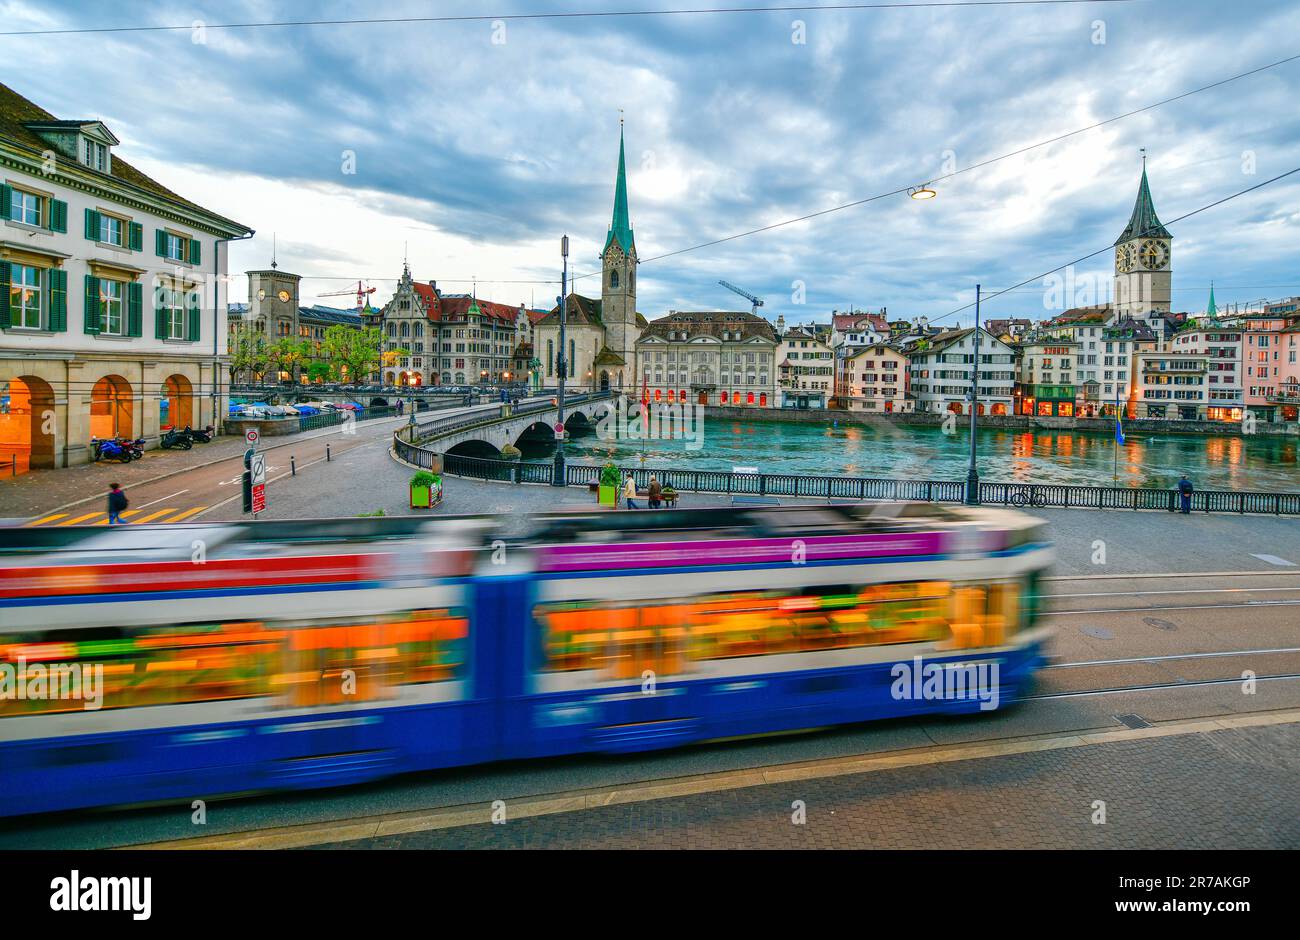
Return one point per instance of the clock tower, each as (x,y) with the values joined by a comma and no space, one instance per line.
(618,288)
(273,304)
(1143,254)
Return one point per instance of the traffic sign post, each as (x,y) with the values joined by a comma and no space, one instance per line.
(257,479)
(559,430)
(252,437)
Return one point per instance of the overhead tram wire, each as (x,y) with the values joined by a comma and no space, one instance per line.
(573,14)
(1145,232)
(974,166)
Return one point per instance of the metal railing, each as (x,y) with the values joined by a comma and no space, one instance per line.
(329,419)
(1032,495)
(488,414)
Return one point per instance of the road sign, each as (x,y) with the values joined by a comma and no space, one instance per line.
(259,497)
(259,469)
(251,436)
(559,431)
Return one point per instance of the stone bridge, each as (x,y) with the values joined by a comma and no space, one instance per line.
(486,433)
(425,398)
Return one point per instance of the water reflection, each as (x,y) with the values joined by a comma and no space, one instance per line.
(1145,459)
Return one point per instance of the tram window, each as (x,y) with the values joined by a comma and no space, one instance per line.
(621,641)
(308,663)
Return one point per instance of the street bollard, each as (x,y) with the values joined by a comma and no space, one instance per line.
(327,453)
(293,467)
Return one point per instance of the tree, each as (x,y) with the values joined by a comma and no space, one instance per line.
(248,355)
(391,356)
(287,353)
(319,371)
(352,354)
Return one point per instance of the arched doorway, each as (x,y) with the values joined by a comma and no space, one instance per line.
(26,424)
(111,409)
(176,409)
(604,380)
(388,379)
(955,407)
(999,408)
(979,409)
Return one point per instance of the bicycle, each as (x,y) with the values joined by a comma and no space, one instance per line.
(1033,498)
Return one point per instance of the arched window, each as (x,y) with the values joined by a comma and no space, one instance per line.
(550,357)
(670,395)
(735,398)
(571,364)
(392,330)
(419,329)
(658,394)
(750,399)
(722,398)
(682,394)
(613,279)
(406,330)
(762,400)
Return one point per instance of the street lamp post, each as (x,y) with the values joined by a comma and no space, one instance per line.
(972,473)
(561,365)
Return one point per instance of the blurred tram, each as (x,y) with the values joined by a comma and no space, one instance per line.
(153,663)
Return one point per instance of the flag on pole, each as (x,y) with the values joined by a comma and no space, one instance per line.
(1119,421)
(645,391)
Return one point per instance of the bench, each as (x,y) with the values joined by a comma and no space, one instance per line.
(755,501)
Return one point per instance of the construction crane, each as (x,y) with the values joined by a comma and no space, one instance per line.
(744,293)
(362,294)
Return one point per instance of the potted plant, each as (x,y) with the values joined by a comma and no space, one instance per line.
(426,490)
(608,484)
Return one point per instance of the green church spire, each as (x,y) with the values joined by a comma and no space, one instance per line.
(620,227)
(1212,310)
(1143,223)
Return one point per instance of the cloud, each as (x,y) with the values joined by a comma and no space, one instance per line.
(472,156)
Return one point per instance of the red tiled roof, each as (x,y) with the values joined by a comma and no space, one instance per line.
(457,308)
(846,321)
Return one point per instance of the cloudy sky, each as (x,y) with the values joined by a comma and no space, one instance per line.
(476,145)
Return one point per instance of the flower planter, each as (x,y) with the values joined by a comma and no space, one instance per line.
(426,490)
(421,497)
(608,495)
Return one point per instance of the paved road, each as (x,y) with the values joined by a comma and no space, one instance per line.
(1162,651)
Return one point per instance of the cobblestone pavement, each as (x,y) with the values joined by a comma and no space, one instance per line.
(1234,788)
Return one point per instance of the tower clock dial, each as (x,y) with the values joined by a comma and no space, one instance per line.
(1153,255)
(284,296)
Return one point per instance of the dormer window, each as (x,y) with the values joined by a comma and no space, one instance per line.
(94,154)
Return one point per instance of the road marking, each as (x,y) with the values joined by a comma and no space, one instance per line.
(154,515)
(124,514)
(162,499)
(89,515)
(186,514)
(57,515)
(480,814)
(1152,659)
(1274,560)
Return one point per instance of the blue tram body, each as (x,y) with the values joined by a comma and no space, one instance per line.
(226,678)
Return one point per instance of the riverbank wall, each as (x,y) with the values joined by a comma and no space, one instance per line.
(825,416)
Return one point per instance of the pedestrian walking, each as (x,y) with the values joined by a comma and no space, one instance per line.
(654,493)
(1185,495)
(629,492)
(117,504)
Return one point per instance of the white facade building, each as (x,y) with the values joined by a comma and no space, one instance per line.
(112,293)
(942,372)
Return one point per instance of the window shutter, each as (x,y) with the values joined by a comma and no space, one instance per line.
(160,242)
(92,304)
(159,314)
(58,215)
(58,300)
(135,309)
(194,331)
(4,295)
(196,251)
(6,199)
(92,225)
(137,236)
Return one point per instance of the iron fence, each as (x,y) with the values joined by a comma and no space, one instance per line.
(1028,495)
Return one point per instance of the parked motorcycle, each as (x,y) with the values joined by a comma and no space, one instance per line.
(134,448)
(177,439)
(203,436)
(111,450)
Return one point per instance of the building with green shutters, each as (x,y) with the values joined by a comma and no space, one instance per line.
(112,294)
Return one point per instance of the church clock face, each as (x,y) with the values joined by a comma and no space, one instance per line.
(1153,255)
(1122,263)
(284,296)
(261,294)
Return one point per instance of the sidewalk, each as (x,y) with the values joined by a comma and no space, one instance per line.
(42,491)
(1236,788)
